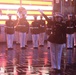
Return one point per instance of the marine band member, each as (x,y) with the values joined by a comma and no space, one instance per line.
(9,30)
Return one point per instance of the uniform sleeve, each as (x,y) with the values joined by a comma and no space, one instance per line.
(5,26)
(64,31)
(45,17)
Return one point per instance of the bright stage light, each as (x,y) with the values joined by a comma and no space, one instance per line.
(28,7)
(66,0)
(26,2)
(32,6)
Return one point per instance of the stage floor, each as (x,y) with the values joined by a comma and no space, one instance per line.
(31,61)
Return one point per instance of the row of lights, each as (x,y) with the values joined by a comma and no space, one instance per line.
(67,0)
(57,1)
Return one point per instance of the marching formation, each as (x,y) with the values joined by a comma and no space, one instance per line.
(60,34)
(38,29)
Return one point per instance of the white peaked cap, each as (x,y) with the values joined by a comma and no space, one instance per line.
(60,15)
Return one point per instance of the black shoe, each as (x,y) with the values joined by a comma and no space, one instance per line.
(35,47)
(23,48)
(75,46)
(48,48)
(26,45)
(69,48)
(10,48)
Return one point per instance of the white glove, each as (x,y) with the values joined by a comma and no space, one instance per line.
(41,11)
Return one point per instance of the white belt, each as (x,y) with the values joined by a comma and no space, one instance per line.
(42,26)
(49,28)
(34,27)
(70,27)
(10,27)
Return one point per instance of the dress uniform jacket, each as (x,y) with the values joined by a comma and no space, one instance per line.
(9,29)
(42,26)
(58,34)
(57,31)
(23,25)
(70,27)
(35,27)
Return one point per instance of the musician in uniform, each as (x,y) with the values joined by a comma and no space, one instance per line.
(35,32)
(9,30)
(23,27)
(70,32)
(42,32)
(57,39)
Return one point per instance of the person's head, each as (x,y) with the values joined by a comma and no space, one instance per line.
(21,12)
(70,16)
(35,17)
(58,18)
(9,17)
(51,18)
